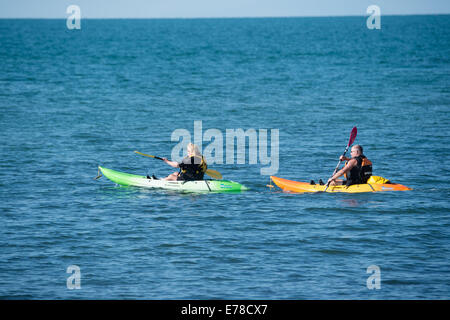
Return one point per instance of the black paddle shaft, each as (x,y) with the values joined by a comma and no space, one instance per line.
(353,134)
(337,167)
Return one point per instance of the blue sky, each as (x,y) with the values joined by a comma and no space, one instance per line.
(214,8)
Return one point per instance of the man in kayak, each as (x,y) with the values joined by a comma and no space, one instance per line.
(357,170)
(192,167)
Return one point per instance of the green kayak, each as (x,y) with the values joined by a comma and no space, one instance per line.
(127,179)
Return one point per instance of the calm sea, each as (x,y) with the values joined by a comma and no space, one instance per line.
(71,100)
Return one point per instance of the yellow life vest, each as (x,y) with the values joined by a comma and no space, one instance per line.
(378,180)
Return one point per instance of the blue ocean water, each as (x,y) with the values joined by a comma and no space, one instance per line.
(71,100)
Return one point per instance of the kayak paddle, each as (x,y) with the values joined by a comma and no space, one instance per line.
(212,173)
(350,142)
(148,155)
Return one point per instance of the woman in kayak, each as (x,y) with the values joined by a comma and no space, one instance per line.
(357,170)
(192,167)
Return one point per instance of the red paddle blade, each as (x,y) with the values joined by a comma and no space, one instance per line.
(352,136)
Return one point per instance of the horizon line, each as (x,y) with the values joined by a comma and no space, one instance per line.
(227,17)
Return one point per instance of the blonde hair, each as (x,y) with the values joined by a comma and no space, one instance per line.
(193,151)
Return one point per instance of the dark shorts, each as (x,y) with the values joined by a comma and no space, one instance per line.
(183,177)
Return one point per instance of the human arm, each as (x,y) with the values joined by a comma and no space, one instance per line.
(171,163)
(350,164)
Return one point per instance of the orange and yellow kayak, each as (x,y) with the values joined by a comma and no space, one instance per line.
(296,186)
